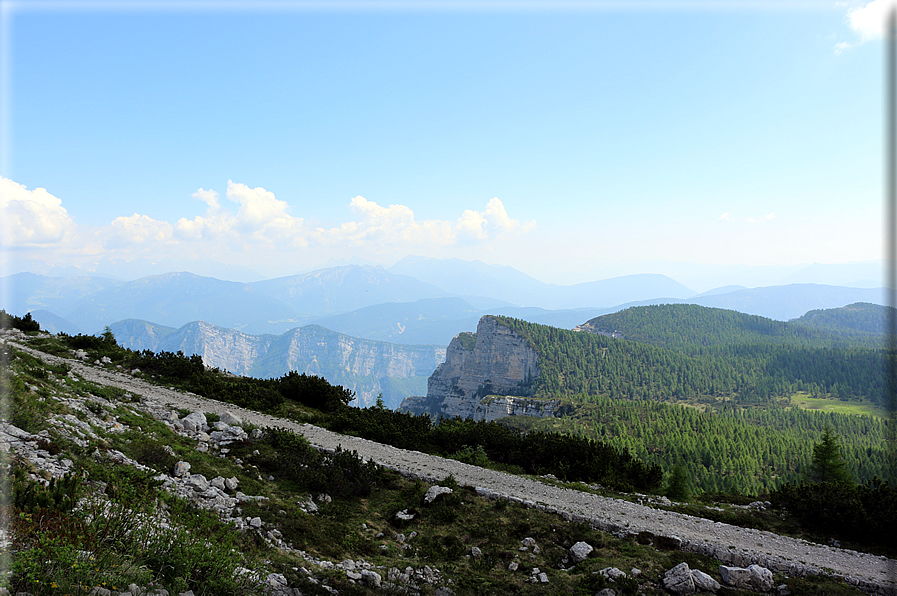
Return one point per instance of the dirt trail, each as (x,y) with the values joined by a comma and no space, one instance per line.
(730,544)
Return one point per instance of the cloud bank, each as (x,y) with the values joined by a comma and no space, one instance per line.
(32,217)
(248,226)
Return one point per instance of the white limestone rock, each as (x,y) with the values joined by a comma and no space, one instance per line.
(231,419)
(580,551)
(703,581)
(435,491)
(678,580)
(737,577)
(181,469)
(194,422)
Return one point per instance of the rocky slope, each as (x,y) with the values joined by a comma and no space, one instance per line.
(364,366)
(486,375)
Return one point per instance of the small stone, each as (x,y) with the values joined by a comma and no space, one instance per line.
(612,573)
(181,469)
(580,551)
(512,566)
(371,578)
(475,552)
(435,491)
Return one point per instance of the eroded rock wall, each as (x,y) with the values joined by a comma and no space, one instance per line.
(494,361)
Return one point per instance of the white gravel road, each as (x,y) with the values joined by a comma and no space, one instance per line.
(729,544)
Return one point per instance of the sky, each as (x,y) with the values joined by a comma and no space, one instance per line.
(573,141)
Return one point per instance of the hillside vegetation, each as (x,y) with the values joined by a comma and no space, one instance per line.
(747,450)
(688,326)
(679,352)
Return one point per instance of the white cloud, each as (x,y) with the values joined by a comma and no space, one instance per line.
(379,227)
(209,197)
(725,217)
(869,20)
(261,214)
(32,217)
(136,230)
(256,229)
(840,47)
(767,217)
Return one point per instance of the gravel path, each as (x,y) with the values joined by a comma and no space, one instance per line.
(729,544)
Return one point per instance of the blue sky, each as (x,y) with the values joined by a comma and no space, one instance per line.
(572,143)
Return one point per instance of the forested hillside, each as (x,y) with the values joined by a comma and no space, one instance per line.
(857,321)
(749,450)
(733,364)
(687,326)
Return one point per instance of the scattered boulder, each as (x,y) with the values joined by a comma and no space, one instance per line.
(703,581)
(371,578)
(678,580)
(181,469)
(761,578)
(580,551)
(753,577)
(231,419)
(198,482)
(194,422)
(404,515)
(435,491)
(612,573)
(475,552)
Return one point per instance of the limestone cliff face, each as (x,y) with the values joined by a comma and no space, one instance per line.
(365,366)
(495,361)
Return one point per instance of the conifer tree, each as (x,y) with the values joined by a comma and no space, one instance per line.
(828,463)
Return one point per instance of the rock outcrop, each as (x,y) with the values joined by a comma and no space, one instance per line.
(486,375)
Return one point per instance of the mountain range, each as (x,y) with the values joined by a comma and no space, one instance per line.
(367,328)
(418,301)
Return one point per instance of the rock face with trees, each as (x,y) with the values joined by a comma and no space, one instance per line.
(494,361)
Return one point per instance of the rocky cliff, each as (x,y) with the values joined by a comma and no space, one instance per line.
(364,366)
(486,375)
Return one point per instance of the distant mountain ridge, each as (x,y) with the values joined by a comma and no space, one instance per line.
(383,305)
(364,366)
